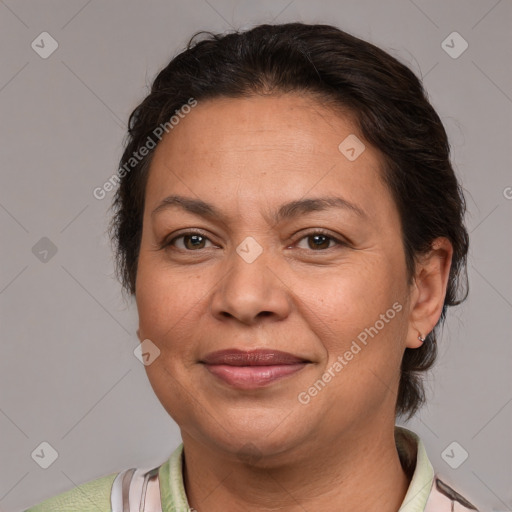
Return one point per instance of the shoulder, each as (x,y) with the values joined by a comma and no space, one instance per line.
(117,489)
(443,497)
(93,495)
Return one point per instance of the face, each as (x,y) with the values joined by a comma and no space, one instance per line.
(279,242)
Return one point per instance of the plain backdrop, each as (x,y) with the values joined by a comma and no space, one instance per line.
(68,374)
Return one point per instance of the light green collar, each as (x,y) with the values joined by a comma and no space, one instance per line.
(422,479)
(172,488)
(409,445)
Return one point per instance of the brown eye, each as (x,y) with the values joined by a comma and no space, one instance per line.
(319,241)
(194,241)
(189,242)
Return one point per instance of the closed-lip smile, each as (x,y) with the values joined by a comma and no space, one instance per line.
(251,369)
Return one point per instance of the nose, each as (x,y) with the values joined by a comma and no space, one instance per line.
(251,292)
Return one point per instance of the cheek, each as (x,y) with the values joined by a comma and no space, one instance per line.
(358,314)
(166,300)
(349,296)
(361,328)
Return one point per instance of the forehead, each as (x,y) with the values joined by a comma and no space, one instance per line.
(285,122)
(271,146)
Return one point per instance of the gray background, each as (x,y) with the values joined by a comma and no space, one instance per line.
(68,375)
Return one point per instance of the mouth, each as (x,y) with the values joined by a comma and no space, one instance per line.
(252,369)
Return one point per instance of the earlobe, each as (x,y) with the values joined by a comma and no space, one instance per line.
(416,342)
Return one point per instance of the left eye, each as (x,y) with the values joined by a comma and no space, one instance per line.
(191,241)
(319,241)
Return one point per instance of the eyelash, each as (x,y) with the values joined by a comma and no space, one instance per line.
(337,241)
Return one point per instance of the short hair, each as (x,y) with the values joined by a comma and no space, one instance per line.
(389,106)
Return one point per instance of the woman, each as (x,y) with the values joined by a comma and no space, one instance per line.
(291,227)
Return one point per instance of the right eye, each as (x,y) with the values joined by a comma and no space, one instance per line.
(191,241)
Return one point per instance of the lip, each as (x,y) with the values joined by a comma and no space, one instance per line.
(252,369)
(260,357)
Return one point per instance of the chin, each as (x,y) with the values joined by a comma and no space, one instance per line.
(257,439)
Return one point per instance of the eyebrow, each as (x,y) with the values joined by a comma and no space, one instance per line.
(286,211)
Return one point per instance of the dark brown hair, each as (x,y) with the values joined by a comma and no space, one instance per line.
(387,101)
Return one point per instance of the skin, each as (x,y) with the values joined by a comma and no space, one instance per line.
(262,449)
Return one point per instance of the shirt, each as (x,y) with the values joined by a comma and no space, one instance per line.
(161,489)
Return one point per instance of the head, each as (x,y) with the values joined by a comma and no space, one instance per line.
(241,129)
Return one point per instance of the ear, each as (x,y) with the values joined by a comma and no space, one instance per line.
(428,290)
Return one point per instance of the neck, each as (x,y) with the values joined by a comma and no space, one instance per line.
(357,472)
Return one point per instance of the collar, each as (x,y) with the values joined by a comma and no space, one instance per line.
(410,448)
(416,464)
